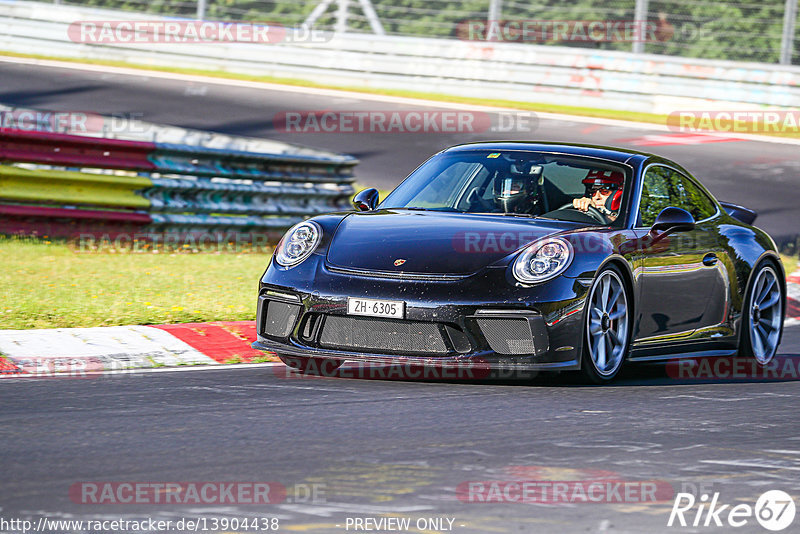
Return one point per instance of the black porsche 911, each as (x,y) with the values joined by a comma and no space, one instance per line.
(529,256)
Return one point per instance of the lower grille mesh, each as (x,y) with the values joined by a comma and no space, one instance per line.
(384,335)
(280,318)
(508,336)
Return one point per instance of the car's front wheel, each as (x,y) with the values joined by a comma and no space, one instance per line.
(607,328)
(762,316)
(316,366)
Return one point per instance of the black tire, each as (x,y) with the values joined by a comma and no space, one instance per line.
(315,366)
(607,318)
(770,319)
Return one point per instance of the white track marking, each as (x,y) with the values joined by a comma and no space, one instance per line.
(125,346)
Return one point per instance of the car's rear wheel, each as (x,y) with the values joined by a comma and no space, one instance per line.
(762,316)
(317,366)
(607,328)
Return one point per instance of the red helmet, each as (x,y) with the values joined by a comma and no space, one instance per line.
(604,178)
(613,180)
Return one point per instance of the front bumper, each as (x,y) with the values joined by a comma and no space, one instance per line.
(482,319)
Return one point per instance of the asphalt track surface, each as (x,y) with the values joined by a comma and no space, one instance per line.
(377,447)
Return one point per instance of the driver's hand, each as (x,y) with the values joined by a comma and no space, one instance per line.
(582,203)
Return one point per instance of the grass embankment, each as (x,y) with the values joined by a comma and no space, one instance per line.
(49,285)
(790,263)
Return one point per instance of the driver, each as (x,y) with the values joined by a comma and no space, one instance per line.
(603,192)
(516,191)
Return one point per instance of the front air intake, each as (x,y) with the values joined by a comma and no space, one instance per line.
(279,318)
(508,336)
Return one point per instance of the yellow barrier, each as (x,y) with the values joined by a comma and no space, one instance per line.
(67,187)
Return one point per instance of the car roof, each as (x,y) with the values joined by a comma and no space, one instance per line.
(619,155)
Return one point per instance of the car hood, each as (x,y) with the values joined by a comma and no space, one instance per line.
(432,242)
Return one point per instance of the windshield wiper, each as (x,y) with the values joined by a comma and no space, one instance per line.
(526,215)
(416,208)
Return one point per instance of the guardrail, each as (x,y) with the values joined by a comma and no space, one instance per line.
(506,71)
(63,185)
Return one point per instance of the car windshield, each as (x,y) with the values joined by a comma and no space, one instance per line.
(518,183)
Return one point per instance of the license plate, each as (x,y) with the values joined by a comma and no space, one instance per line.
(376,308)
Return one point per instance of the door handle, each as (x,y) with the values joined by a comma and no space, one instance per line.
(710,259)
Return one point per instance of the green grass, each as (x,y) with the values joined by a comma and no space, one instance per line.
(790,263)
(49,285)
(52,285)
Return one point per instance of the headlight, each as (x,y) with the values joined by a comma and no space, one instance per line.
(298,243)
(543,260)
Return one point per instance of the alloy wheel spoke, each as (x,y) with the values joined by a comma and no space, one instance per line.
(619,313)
(758,344)
(612,353)
(604,298)
(614,297)
(767,325)
(762,332)
(601,352)
(596,345)
(768,286)
(772,301)
(595,327)
(758,287)
(614,339)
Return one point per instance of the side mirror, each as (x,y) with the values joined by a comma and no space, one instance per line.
(673,220)
(366,200)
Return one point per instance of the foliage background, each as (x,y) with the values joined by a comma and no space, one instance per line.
(733,30)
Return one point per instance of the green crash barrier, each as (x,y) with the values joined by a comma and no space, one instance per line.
(68,187)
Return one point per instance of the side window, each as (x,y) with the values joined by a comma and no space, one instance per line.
(663,187)
(655,194)
(700,205)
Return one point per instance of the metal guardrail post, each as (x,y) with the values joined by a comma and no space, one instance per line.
(372,17)
(640,18)
(789,25)
(201,9)
(341,17)
(495,10)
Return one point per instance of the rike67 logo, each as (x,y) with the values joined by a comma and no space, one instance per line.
(774,510)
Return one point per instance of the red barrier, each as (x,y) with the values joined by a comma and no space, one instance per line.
(69,223)
(40,211)
(74,150)
(223,341)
